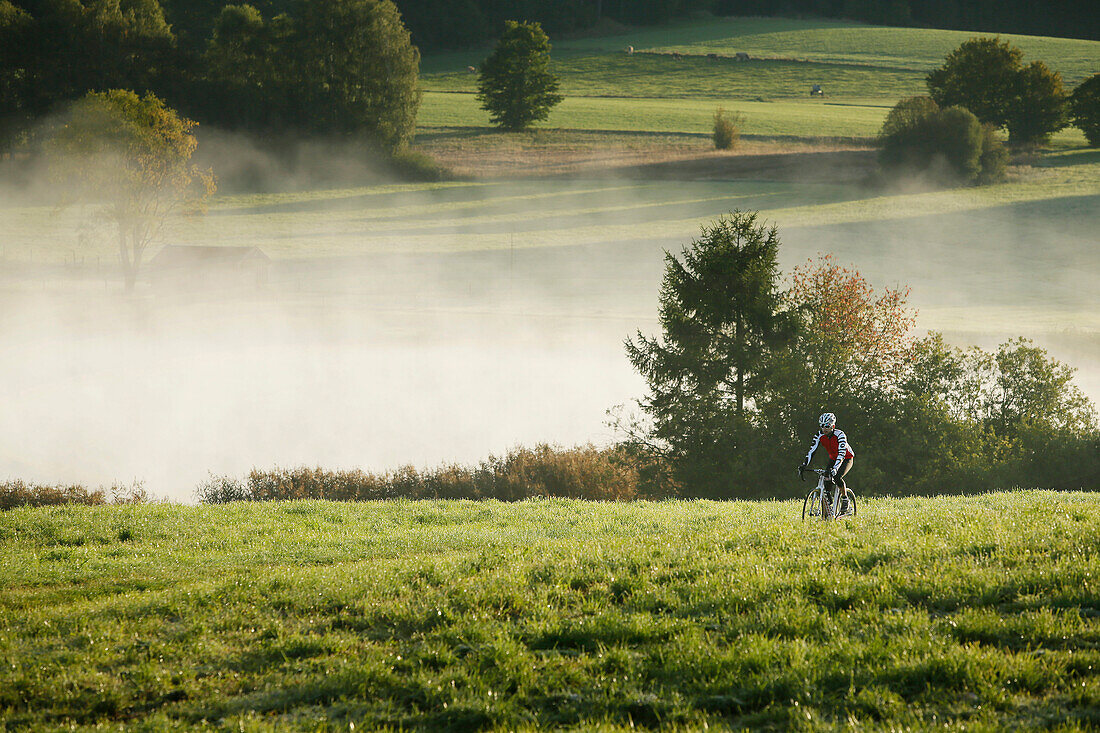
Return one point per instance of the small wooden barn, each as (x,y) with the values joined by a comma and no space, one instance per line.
(204,266)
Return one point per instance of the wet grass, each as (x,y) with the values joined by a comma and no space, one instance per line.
(978,612)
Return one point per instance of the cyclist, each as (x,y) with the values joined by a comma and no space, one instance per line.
(836,445)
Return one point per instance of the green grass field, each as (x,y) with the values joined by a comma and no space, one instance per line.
(863,69)
(794,119)
(971,612)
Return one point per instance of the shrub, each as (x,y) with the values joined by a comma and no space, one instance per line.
(19,493)
(994,157)
(221,490)
(918,136)
(1084,105)
(413,165)
(727,128)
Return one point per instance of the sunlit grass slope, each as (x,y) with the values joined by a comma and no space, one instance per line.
(848,59)
(788,118)
(977,611)
(864,70)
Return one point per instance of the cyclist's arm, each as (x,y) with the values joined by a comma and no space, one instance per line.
(813,448)
(841,450)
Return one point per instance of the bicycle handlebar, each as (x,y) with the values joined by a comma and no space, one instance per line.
(818,471)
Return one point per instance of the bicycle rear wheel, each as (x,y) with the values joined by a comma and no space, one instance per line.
(851,497)
(811,506)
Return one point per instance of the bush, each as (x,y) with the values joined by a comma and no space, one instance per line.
(413,165)
(584,472)
(918,136)
(1084,105)
(221,490)
(994,158)
(727,128)
(19,493)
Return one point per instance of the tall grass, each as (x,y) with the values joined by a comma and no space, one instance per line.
(968,612)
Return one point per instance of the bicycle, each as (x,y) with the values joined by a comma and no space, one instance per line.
(827,504)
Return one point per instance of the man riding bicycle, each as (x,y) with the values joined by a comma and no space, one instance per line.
(836,445)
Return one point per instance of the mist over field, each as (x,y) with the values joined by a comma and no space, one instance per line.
(421,324)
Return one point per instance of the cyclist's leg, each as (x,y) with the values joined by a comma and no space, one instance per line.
(841,487)
(844,468)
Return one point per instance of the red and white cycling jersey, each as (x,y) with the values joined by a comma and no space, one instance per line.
(836,445)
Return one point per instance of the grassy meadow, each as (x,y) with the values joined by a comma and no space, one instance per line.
(974,612)
(971,612)
(863,69)
(801,119)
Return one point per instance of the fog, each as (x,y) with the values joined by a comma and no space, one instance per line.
(412,325)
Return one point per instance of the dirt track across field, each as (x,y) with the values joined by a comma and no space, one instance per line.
(543,154)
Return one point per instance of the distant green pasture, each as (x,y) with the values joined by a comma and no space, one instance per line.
(661,76)
(602,62)
(842,42)
(866,69)
(802,119)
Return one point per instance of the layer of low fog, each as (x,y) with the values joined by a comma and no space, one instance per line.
(383,359)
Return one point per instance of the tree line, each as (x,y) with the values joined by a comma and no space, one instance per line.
(342,65)
(472,22)
(316,66)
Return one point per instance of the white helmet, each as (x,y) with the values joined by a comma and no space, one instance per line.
(827,420)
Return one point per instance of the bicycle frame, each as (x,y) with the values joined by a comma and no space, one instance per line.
(819,503)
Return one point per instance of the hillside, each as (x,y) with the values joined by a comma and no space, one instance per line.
(863,69)
(973,611)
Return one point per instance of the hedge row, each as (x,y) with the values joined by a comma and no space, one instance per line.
(19,493)
(583,472)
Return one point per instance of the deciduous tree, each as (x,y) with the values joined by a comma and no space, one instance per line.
(130,156)
(987,77)
(1039,106)
(979,75)
(515,84)
(355,70)
(62,49)
(855,341)
(1085,108)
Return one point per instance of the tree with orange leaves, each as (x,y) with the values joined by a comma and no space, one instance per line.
(855,341)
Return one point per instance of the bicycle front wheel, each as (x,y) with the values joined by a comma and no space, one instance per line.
(811,506)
